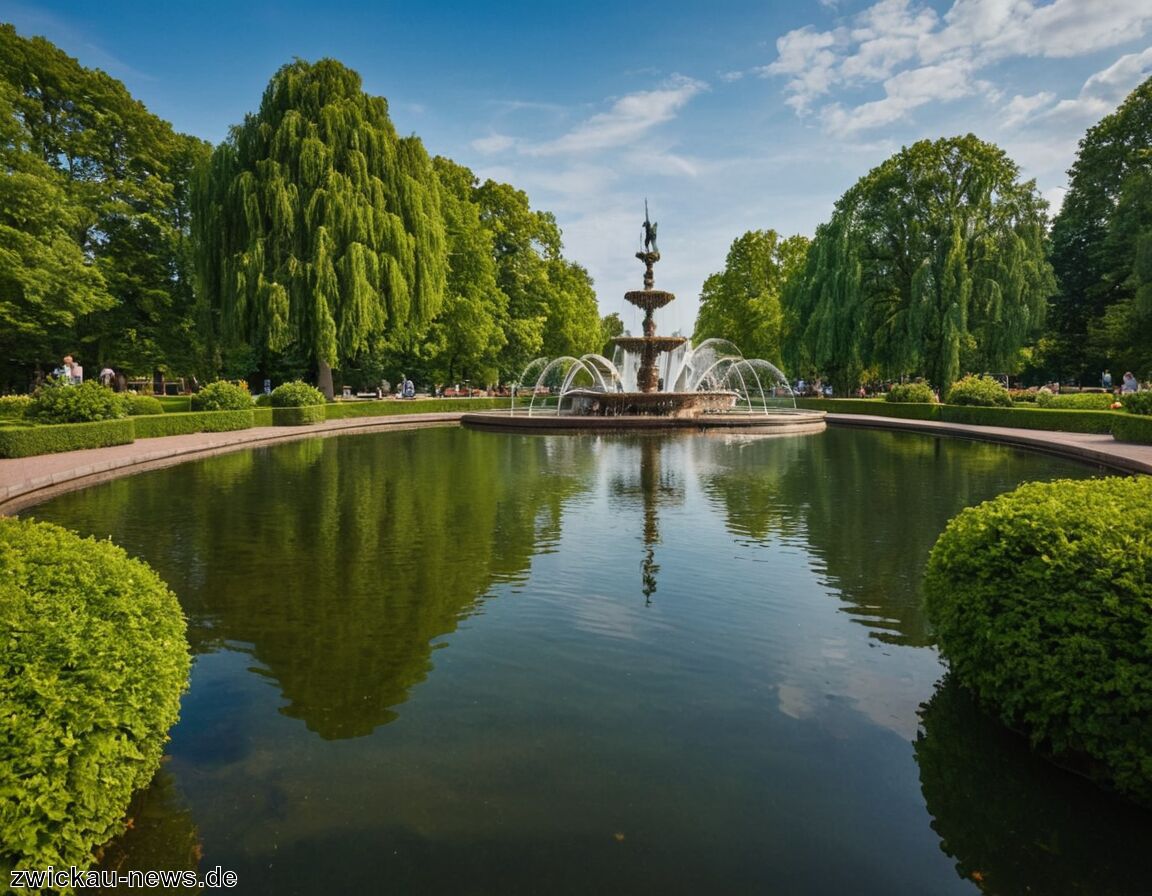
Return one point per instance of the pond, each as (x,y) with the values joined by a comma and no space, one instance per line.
(444,661)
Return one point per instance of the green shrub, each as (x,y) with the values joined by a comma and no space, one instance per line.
(1023,396)
(222,395)
(1132,428)
(298,416)
(1042,603)
(979,391)
(1137,402)
(1080,401)
(93,663)
(262,416)
(295,395)
(911,393)
(195,421)
(58,401)
(28,441)
(14,407)
(263,400)
(1031,418)
(142,405)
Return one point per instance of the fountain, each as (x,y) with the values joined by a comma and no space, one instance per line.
(655,381)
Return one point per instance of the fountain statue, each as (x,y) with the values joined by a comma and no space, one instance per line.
(656,381)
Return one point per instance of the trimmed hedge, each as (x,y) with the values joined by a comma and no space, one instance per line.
(177,424)
(28,441)
(1081,401)
(1131,428)
(1042,604)
(876,407)
(1016,417)
(262,416)
(344,410)
(93,663)
(298,416)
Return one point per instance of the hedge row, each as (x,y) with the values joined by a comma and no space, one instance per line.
(345,410)
(93,663)
(1017,417)
(301,415)
(1042,603)
(182,423)
(1132,428)
(28,441)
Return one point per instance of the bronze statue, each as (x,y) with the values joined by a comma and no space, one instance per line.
(649,232)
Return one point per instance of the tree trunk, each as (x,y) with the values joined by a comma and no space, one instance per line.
(324,379)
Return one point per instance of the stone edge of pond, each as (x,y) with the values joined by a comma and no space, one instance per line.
(1091,448)
(25,482)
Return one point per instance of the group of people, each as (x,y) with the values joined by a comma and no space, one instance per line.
(71,370)
(1128,384)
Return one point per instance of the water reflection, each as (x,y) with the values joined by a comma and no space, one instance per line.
(337,566)
(740,724)
(868,510)
(1015,824)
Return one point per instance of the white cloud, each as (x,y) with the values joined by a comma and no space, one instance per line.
(917,56)
(1105,90)
(629,119)
(1021,108)
(494,143)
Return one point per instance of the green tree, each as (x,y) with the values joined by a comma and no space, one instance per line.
(466,338)
(611,326)
(742,303)
(523,242)
(933,263)
(317,230)
(1100,244)
(87,165)
(572,326)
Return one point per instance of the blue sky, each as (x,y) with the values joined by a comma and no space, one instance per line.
(727,115)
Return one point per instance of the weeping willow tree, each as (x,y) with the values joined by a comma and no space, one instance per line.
(317,230)
(933,263)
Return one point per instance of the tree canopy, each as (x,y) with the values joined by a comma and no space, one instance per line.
(318,230)
(933,263)
(93,216)
(1102,246)
(742,303)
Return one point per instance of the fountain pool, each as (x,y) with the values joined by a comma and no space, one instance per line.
(436,661)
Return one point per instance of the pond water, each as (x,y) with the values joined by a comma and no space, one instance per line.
(443,661)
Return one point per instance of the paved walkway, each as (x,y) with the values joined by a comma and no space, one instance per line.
(29,480)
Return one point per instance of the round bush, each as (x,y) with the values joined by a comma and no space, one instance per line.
(58,401)
(979,391)
(296,394)
(1042,603)
(93,663)
(222,395)
(143,405)
(914,393)
(1137,402)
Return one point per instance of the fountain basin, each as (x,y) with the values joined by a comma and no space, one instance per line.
(596,403)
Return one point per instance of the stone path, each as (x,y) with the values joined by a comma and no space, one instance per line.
(29,480)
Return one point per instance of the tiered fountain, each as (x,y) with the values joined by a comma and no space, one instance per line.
(655,381)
